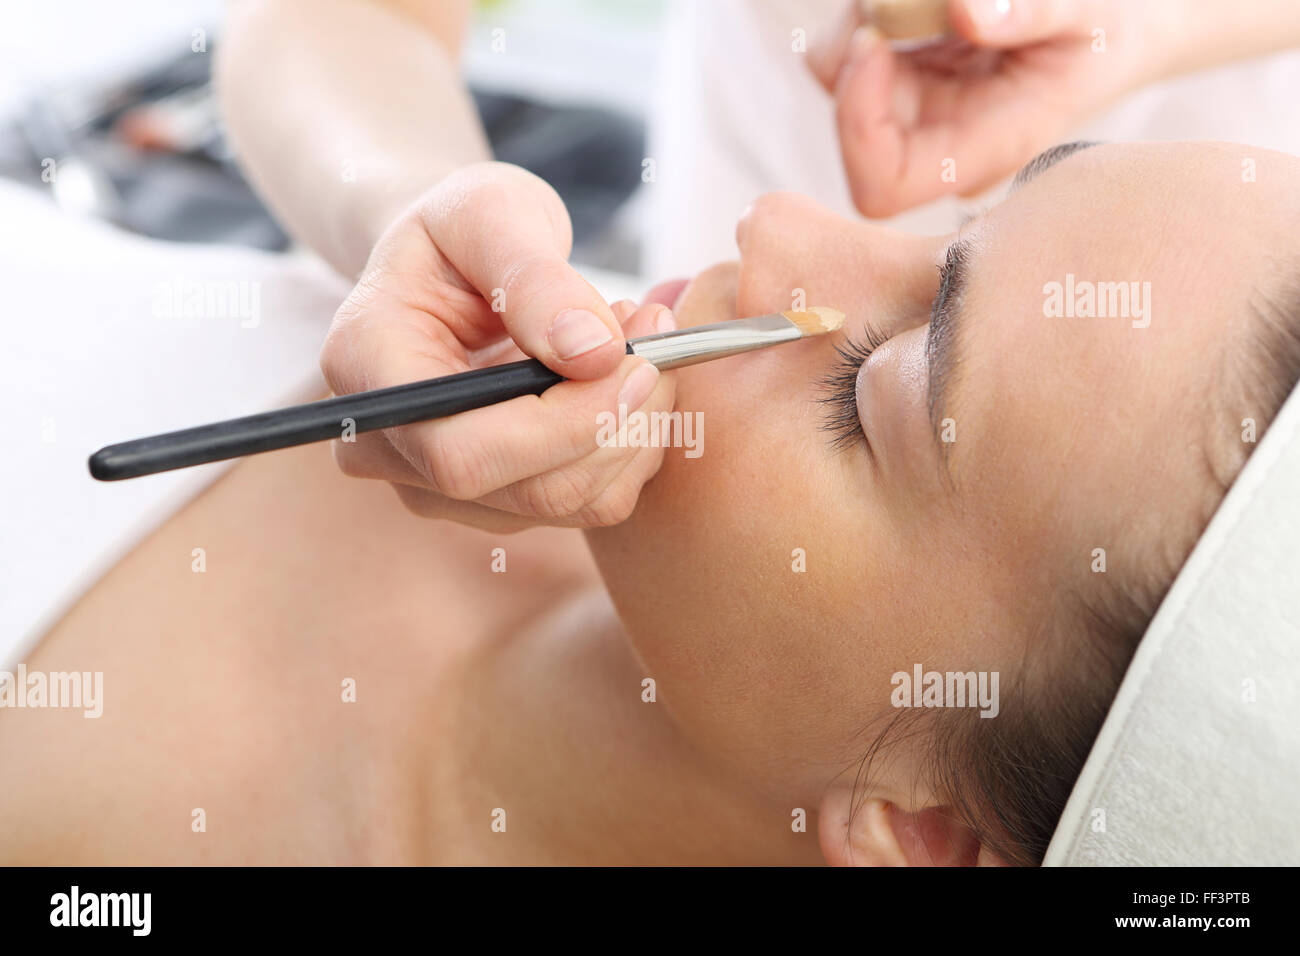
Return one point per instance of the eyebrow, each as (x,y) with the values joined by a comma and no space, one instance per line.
(1046,160)
(940,340)
(941,350)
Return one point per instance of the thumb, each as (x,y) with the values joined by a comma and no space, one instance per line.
(556,316)
(508,235)
(1009,23)
(828,53)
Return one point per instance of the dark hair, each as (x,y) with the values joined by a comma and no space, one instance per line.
(1007,780)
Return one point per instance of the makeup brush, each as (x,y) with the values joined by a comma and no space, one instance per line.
(434,398)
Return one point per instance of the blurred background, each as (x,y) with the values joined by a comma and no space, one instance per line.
(108,107)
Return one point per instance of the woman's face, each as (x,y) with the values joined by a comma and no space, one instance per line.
(774,584)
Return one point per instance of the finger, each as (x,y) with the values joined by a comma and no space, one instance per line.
(653,318)
(623,310)
(407,270)
(875,141)
(893,164)
(586,495)
(568,496)
(827,54)
(894,160)
(372,455)
(429,504)
(470,454)
(527,504)
(467,456)
(508,351)
(596,491)
(378,340)
(576,488)
(511,240)
(1011,23)
(666,293)
(612,506)
(618,500)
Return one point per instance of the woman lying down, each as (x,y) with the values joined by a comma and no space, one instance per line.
(994,472)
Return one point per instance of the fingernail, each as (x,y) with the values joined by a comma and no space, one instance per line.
(988,15)
(576,332)
(665,321)
(638,386)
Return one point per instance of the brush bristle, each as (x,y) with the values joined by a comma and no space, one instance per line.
(816,321)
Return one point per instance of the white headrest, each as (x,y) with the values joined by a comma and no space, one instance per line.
(1198,761)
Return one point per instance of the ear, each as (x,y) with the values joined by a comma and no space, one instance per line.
(878,833)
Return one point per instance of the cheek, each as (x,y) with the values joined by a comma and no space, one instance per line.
(745,578)
(716,523)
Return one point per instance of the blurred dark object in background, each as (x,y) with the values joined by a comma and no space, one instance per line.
(591,156)
(149,155)
(146,154)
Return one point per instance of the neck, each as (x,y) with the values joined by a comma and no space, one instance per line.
(549,727)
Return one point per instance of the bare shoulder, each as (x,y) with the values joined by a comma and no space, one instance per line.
(261,679)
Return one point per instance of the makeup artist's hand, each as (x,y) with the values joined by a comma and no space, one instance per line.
(959,116)
(475,273)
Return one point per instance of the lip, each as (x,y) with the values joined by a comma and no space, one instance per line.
(666,293)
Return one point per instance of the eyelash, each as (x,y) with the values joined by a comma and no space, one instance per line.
(840,384)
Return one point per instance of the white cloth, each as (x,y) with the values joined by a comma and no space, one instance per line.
(98,349)
(1198,762)
(739,114)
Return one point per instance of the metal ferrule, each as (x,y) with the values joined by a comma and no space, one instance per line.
(703,343)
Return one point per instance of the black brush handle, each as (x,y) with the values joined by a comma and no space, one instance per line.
(321,421)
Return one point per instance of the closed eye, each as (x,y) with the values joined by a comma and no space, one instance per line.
(840,384)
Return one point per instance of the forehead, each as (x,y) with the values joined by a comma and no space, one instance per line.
(1088,321)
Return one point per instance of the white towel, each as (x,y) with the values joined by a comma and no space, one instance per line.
(1198,762)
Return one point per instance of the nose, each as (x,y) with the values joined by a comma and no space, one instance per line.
(795,253)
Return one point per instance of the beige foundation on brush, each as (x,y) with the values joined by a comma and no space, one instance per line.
(909,20)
